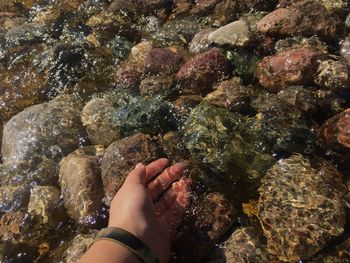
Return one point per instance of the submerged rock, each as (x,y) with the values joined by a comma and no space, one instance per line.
(246,244)
(198,74)
(155,85)
(307,18)
(202,227)
(333,75)
(78,246)
(128,76)
(345,51)
(12,198)
(28,34)
(122,156)
(200,42)
(301,207)
(81,184)
(291,67)
(159,60)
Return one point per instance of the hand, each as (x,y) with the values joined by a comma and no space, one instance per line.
(151,204)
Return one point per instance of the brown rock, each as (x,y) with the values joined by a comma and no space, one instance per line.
(291,67)
(81,185)
(336,132)
(121,157)
(156,85)
(200,42)
(333,75)
(345,51)
(128,76)
(305,17)
(184,104)
(198,74)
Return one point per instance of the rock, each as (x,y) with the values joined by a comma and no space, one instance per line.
(159,60)
(97,117)
(230,94)
(44,202)
(138,7)
(121,47)
(81,185)
(78,247)
(184,104)
(156,85)
(335,132)
(301,207)
(30,33)
(332,5)
(128,76)
(347,21)
(198,74)
(329,103)
(234,34)
(246,244)
(121,157)
(338,254)
(345,51)
(12,198)
(305,18)
(35,140)
(291,67)
(200,42)
(204,6)
(140,51)
(215,139)
(333,75)
(173,147)
(244,63)
(301,42)
(207,221)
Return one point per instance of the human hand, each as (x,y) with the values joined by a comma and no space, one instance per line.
(151,204)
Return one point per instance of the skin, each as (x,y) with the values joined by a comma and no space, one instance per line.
(150,205)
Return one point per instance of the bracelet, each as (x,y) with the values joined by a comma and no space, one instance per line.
(129,241)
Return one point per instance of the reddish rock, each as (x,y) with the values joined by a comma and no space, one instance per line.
(336,132)
(306,18)
(198,75)
(290,67)
(128,76)
(160,60)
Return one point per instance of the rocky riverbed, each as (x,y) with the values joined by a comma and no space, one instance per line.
(253,94)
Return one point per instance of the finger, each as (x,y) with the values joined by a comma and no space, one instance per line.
(176,197)
(155,168)
(137,176)
(165,179)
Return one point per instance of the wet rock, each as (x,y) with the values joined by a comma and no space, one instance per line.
(345,51)
(198,74)
(137,7)
(338,254)
(329,103)
(17,5)
(333,75)
(208,220)
(140,51)
(26,34)
(332,5)
(204,6)
(97,117)
(300,42)
(173,147)
(81,184)
(215,140)
(121,157)
(78,247)
(156,85)
(200,42)
(128,76)
(159,60)
(335,132)
(301,207)
(244,63)
(44,202)
(230,94)
(291,67)
(12,198)
(121,47)
(234,34)
(305,18)
(347,21)
(246,244)
(185,104)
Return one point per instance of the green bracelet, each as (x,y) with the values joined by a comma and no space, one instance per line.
(128,240)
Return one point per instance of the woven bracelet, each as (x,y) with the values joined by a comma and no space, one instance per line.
(129,241)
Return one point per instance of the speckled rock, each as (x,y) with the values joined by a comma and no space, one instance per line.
(300,42)
(230,94)
(140,51)
(198,74)
(128,76)
(159,60)
(234,34)
(12,198)
(245,245)
(333,75)
(81,184)
(204,6)
(200,42)
(207,221)
(137,7)
(173,147)
(301,207)
(184,104)
(78,247)
(156,85)
(345,51)
(336,132)
(44,202)
(30,33)
(291,67)
(330,103)
(305,17)
(121,157)
(332,5)
(97,117)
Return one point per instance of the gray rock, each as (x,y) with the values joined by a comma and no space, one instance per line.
(26,34)
(200,42)
(234,34)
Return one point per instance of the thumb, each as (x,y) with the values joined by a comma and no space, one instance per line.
(137,176)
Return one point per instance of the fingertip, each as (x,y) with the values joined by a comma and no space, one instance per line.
(178,168)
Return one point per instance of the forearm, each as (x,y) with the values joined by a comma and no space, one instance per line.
(108,252)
